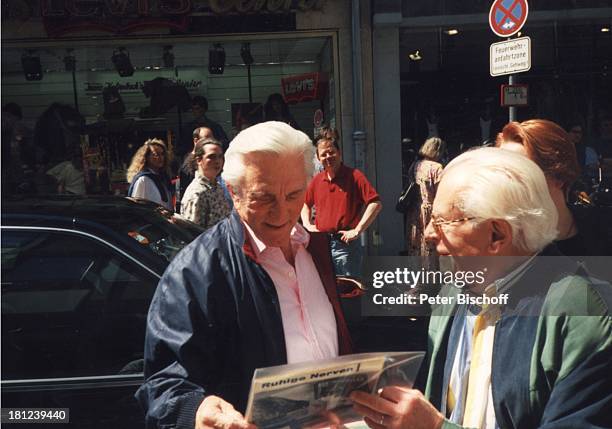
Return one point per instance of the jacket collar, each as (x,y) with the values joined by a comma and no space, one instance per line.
(238,235)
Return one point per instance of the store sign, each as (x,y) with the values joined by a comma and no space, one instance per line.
(117,8)
(259,6)
(512,56)
(95,88)
(303,87)
(61,17)
(514,95)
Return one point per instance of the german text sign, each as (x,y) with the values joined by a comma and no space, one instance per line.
(512,56)
(514,95)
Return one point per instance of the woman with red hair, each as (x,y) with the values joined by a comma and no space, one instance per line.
(550,146)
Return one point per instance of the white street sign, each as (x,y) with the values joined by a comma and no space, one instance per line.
(509,57)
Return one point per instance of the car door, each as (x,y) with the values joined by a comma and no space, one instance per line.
(74,311)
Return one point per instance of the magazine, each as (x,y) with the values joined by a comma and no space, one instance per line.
(316,394)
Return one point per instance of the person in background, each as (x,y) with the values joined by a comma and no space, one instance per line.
(551,148)
(603,145)
(426,171)
(539,358)
(604,142)
(586,155)
(69,176)
(276,109)
(189,166)
(199,107)
(20,158)
(345,203)
(253,291)
(204,202)
(325,133)
(148,174)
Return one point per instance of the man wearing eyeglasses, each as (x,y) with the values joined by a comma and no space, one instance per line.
(543,359)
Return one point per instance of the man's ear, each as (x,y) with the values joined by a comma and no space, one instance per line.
(230,189)
(501,236)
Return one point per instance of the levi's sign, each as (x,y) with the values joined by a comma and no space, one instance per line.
(510,57)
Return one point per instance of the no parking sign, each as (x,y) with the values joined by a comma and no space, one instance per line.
(507,17)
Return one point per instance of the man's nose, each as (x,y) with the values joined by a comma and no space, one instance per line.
(280,210)
(431,234)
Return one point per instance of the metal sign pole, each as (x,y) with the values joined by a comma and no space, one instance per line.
(511,109)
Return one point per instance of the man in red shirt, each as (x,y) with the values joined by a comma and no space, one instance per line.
(345,204)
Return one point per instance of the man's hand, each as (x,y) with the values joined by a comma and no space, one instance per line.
(214,412)
(306,215)
(348,236)
(396,408)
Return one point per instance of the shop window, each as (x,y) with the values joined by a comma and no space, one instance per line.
(121,108)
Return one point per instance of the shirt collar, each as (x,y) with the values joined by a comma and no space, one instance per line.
(200,176)
(340,173)
(298,236)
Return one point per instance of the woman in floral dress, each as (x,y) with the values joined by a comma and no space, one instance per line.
(427,170)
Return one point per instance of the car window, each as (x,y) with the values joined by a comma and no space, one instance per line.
(160,230)
(71,306)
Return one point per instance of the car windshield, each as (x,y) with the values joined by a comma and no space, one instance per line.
(162,231)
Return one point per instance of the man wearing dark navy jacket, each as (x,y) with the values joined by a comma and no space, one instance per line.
(255,290)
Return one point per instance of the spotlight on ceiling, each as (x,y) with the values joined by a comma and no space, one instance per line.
(605,29)
(216,59)
(168,57)
(452,31)
(245,53)
(416,56)
(121,60)
(32,69)
(69,61)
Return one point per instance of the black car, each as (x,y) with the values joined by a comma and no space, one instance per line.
(78,274)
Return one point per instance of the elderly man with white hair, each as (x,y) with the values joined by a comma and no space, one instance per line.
(543,359)
(255,290)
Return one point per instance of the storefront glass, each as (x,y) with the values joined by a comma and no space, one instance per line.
(447,90)
(154,100)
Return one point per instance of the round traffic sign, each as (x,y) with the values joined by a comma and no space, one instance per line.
(507,17)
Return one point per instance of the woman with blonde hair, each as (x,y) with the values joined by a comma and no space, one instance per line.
(148,174)
(426,171)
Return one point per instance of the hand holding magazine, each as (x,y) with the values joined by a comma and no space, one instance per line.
(316,394)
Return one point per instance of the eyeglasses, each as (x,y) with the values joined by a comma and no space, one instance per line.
(438,223)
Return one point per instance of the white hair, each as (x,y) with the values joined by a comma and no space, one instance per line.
(500,184)
(272,137)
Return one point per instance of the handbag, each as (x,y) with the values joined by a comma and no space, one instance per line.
(409,196)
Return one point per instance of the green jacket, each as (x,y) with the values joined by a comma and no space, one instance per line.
(552,352)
